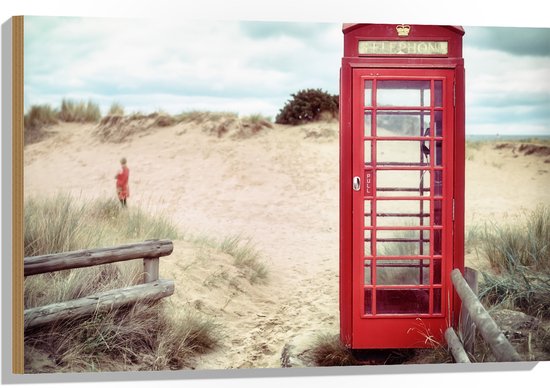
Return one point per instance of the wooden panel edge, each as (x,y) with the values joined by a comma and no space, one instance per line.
(17,194)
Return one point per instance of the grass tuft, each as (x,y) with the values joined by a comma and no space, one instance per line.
(328,350)
(246,257)
(81,112)
(520,255)
(36,120)
(116,109)
(141,337)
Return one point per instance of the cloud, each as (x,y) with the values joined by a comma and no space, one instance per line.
(506,93)
(129,57)
(254,67)
(513,40)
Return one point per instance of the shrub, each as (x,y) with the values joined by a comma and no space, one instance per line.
(308,105)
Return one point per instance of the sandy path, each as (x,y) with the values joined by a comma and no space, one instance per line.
(280,189)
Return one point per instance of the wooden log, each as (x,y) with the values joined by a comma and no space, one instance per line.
(502,349)
(455,346)
(467,327)
(102,302)
(150,270)
(90,257)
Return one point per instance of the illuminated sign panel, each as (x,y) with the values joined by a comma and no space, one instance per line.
(392,47)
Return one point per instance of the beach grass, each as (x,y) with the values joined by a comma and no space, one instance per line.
(141,337)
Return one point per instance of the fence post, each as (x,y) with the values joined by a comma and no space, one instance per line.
(467,326)
(458,352)
(150,270)
(502,349)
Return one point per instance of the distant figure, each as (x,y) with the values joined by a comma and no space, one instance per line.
(122,189)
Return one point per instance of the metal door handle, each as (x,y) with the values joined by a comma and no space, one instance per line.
(356,183)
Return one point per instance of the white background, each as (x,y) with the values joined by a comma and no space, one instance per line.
(479,13)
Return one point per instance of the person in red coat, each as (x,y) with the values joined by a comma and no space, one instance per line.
(122,189)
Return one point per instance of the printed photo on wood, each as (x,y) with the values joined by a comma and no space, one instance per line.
(239,195)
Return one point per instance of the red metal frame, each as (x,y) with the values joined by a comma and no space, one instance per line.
(360,330)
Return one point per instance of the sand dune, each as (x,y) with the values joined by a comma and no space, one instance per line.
(278,188)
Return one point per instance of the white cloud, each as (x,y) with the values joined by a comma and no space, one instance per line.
(154,57)
(147,64)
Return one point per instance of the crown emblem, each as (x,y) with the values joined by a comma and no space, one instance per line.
(403,30)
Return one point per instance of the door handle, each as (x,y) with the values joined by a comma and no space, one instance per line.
(356,183)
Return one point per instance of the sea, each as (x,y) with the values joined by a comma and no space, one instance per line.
(515,138)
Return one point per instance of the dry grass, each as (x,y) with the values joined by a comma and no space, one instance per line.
(141,337)
(64,223)
(81,112)
(328,350)
(520,256)
(36,120)
(116,109)
(246,258)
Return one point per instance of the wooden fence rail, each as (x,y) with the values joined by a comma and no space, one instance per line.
(152,289)
(489,330)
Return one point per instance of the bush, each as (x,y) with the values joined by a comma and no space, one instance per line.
(308,105)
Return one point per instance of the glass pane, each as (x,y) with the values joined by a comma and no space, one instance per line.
(368,301)
(438,116)
(368,93)
(402,243)
(402,123)
(368,151)
(402,301)
(368,215)
(438,93)
(438,182)
(438,210)
(368,272)
(438,153)
(403,213)
(368,243)
(403,93)
(368,123)
(437,241)
(405,183)
(407,152)
(437,301)
(437,271)
(403,272)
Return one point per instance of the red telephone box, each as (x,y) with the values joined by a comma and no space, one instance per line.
(401,183)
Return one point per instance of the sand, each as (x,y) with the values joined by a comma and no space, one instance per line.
(277,189)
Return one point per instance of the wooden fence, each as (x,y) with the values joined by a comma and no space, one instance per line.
(152,288)
(474,316)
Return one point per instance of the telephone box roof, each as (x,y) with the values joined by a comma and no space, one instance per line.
(346,27)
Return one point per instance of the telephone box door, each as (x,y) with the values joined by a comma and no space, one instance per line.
(402,134)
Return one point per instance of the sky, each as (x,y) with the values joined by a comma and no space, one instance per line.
(253,67)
